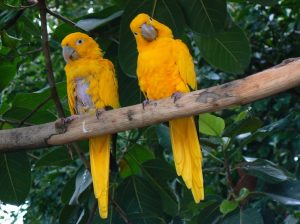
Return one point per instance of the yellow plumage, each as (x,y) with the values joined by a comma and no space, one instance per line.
(165,67)
(91,85)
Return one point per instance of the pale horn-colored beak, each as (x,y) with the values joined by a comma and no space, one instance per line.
(148,32)
(69,53)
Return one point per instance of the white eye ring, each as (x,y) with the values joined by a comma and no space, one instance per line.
(78,42)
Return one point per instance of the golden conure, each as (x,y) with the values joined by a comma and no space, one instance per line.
(91,85)
(165,68)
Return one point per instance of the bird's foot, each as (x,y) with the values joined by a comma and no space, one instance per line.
(176,96)
(99,112)
(68,120)
(145,103)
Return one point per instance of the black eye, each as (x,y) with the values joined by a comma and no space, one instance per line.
(79,42)
(135,33)
(150,19)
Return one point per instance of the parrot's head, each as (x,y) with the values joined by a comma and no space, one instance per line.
(79,45)
(146,29)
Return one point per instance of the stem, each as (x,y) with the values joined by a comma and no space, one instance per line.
(120,211)
(33,111)
(154,7)
(45,44)
(92,214)
(66,20)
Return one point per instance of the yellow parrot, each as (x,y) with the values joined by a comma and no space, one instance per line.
(165,68)
(91,86)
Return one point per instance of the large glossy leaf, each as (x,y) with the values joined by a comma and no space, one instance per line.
(286,192)
(166,11)
(88,22)
(130,163)
(73,214)
(248,216)
(82,182)
(228,50)
(56,157)
(138,199)
(205,16)
(163,136)
(270,128)
(249,124)
(211,125)
(92,23)
(228,206)
(209,212)
(7,73)
(266,171)
(158,173)
(15,177)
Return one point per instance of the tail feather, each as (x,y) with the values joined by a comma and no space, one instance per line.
(99,156)
(187,154)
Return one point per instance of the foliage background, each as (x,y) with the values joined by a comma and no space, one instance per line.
(251,153)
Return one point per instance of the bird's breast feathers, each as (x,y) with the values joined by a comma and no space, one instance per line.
(158,70)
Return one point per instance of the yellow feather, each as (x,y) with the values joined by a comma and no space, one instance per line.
(101,89)
(165,67)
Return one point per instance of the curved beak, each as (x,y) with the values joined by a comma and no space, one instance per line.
(148,32)
(69,53)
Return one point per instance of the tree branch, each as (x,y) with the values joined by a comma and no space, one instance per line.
(33,111)
(66,20)
(238,92)
(45,45)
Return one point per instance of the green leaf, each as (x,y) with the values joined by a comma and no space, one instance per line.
(83,181)
(205,16)
(158,172)
(15,177)
(166,11)
(38,117)
(264,2)
(266,171)
(211,125)
(131,161)
(249,124)
(228,206)
(248,216)
(9,41)
(263,132)
(68,190)
(93,23)
(89,22)
(73,214)
(244,192)
(163,136)
(228,50)
(286,192)
(209,212)
(57,157)
(138,200)
(7,73)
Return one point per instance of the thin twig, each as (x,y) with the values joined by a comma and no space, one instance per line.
(13,122)
(45,44)
(32,156)
(81,155)
(120,211)
(66,20)
(154,7)
(92,214)
(34,111)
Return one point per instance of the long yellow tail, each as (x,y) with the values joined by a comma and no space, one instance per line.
(99,158)
(187,154)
